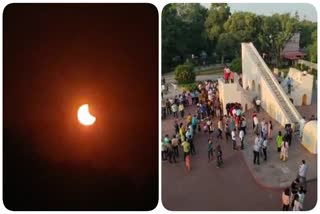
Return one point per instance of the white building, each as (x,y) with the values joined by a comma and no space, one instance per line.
(301,89)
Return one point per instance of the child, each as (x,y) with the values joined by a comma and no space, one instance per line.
(188,163)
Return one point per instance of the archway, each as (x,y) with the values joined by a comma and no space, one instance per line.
(253,85)
(304,100)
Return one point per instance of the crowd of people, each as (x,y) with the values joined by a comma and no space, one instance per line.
(293,196)
(208,119)
(205,99)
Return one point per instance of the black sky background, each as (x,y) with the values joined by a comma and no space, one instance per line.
(57,57)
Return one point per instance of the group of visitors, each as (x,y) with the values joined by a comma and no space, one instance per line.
(205,99)
(284,142)
(293,196)
(228,75)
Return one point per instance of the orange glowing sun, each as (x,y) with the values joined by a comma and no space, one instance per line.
(84,116)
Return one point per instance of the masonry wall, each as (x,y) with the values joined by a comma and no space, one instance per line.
(231,93)
(302,86)
(257,85)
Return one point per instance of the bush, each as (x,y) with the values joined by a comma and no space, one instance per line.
(189,87)
(184,73)
(236,65)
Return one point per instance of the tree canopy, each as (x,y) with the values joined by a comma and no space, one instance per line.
(191,32)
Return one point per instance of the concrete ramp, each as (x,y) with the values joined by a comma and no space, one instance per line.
(258,78)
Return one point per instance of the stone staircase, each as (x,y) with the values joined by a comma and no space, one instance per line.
(292,114)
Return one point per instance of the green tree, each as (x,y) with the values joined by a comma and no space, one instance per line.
(217,16)
(184,73)
(225,45)
(183,33)
(194,35)
(306,28)
(276,30)
(312,48)
(236,65)
(172,33)
(244,26)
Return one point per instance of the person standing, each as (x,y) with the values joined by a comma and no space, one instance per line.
(286,199)
(303,168)
(164,151)
(163,108)
(256,125)
(181,109)
(284,151)
(256,150)
(232,77)
(218,153)
(174,109)
(227,131)
(244,124)
(302,123)
(210,149)
(264,130)
(289,135)
(171,154)
(258,104)
(194,122)
(233,138)
(241,136)
(279,141)
(189,118)
(264,148)
(175,144)
(176,126)
(217,109)
(186,149)
(296,205)
(220,128)
(301,195)
(270,130)
(188,162)
(181,132)
(168,109)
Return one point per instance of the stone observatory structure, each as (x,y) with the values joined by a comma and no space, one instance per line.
(260,81)
(310,137)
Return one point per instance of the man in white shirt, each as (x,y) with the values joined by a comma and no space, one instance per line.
(256,150)
(241,136)
(302,123)
(258,103)
(233,137)
(303,168)
(256,124)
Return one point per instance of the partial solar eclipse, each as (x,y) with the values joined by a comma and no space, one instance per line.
(84,116)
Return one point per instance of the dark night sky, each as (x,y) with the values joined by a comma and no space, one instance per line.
(57,57)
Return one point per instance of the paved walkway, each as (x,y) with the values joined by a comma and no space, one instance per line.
(206,187)
(275,173)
